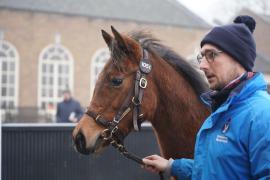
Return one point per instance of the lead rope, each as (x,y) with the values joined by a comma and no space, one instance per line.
(121,148)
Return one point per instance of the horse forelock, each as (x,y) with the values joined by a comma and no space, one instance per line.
(184,68)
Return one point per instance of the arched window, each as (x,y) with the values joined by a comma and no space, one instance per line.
(9,63)
(55,75)
(98,61)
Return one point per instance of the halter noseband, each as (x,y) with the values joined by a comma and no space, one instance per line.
(112,133)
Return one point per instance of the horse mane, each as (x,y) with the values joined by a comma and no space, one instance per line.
(183,67)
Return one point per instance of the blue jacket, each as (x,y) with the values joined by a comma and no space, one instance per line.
(234,141)
(65,108)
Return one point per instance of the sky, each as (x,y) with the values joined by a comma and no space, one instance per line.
(222,10)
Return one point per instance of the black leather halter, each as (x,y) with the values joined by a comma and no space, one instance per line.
(112,131)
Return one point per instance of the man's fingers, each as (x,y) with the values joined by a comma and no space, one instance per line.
(150,168)
(148,162)
(152,157)
(155,162)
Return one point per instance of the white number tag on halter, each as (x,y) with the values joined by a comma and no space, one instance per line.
(145,67)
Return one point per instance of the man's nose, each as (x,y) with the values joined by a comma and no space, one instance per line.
(203,64)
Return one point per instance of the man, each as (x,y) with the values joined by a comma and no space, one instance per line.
(69,110)
(234,141)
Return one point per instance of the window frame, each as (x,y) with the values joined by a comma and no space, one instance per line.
(93,76)
(15,84)
(49,60)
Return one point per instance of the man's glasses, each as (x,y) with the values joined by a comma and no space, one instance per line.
(209,55)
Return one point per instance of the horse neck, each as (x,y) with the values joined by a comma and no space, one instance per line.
(179,112)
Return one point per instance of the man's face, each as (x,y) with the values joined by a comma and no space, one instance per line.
(219,67)
(66,96)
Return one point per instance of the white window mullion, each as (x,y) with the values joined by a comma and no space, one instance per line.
(55,85)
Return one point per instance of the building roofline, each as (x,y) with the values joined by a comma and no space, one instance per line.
(104,18)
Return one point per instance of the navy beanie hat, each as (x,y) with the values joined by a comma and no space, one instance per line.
(236,40)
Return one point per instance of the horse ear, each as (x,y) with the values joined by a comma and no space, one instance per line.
(119,39)
(107,38)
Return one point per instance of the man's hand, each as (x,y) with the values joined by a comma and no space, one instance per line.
(72,117)
(74,120)
(155,163)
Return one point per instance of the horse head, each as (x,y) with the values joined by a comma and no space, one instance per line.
(111,110)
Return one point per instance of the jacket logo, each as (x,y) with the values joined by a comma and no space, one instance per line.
(222,138)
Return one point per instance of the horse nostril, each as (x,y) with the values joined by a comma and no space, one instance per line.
(81,143)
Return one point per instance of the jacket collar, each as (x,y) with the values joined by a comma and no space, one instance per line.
(241,92)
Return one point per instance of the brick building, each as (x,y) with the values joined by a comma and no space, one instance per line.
(48,46)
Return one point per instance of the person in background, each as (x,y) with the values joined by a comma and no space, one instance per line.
(69,110)
(234,141)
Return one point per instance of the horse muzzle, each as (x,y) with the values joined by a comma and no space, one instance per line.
(95,146)
(80,144)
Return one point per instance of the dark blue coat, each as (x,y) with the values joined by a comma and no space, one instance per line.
(65,108)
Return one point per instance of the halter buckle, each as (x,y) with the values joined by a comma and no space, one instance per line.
(135,102)
(114,130)
(98,116)
(143,83)
(115,121)
(106,135)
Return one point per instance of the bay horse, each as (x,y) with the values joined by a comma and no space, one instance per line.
(170,99)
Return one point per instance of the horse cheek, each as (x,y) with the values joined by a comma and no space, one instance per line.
(149,104)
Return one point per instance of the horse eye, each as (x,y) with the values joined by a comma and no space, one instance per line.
(116,82)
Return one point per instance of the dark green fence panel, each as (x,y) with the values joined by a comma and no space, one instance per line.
(45,152)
